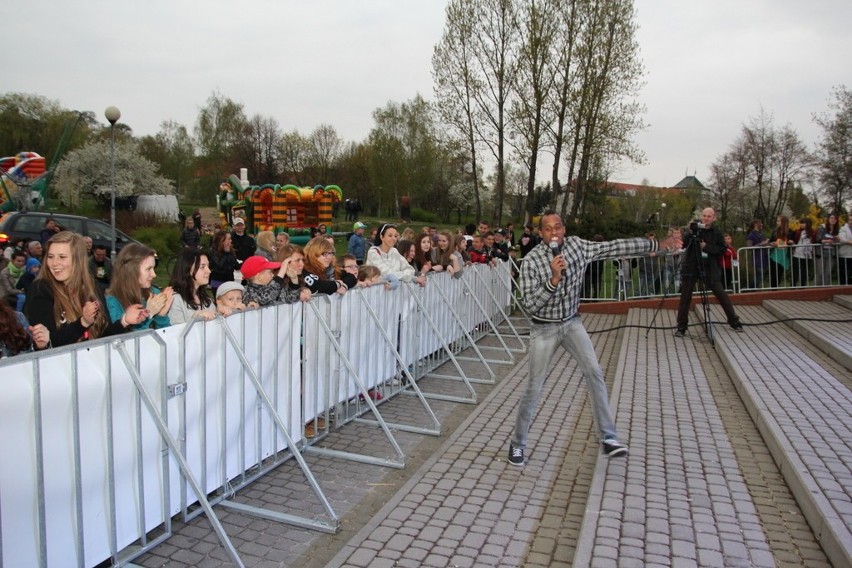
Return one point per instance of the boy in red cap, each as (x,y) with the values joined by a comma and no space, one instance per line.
(262,285)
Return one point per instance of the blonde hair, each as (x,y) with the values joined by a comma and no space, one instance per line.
(70,296)
(266,241)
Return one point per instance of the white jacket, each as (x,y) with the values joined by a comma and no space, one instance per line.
(844,236)
(390,263)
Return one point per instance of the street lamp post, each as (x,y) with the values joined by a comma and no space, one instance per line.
(112,115)
(662,214)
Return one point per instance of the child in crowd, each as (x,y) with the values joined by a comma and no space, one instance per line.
(262,285)
(369,276)
(229,298)
(727,260)
(494,252)
(478,253)
(347,267)
(442,254)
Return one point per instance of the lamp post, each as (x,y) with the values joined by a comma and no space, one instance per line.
(112,115)
(662,214)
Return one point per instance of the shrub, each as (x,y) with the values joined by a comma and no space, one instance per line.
(422,216)
(164,238)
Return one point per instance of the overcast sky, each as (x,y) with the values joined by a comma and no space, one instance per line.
(711,64)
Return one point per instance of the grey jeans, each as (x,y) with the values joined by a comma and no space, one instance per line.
(572,336)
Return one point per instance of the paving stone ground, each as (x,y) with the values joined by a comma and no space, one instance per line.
(458,503)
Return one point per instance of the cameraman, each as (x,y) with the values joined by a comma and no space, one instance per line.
(705,245)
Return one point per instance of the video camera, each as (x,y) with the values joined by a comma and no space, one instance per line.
(695,226)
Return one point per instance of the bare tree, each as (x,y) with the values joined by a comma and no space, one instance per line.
(293,155)
(834,150)
(456,80)
(259,145)
(324,147)
(534,84)
(610,73)
(495,53)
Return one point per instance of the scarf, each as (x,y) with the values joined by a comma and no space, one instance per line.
(14,271)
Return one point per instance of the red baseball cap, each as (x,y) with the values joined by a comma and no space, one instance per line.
(254,264)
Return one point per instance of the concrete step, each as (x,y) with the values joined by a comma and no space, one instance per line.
(680,495)
(845,301)
(826,325)
(800,399)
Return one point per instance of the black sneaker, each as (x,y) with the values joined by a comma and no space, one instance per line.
(681,332)
(737,327)
(613,449)
(516,456)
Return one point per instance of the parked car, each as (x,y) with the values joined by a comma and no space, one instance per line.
(29,224)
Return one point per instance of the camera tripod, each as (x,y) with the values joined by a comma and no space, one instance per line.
(693,247)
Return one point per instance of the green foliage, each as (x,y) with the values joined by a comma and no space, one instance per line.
(163,238)
(423,216)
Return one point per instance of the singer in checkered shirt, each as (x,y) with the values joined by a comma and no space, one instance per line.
(551,284)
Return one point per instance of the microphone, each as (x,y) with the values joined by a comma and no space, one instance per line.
(554,247)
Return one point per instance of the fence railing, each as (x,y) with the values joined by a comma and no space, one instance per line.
(753,268)
(106,441)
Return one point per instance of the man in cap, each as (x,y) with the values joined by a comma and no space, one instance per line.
(357,245)
(242,243)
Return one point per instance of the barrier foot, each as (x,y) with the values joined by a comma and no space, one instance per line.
(303,522)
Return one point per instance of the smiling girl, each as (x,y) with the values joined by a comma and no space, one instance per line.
(64,298)
(133,284)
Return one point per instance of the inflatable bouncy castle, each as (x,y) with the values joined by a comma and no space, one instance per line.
(273,207)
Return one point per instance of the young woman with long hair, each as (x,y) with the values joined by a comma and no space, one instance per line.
(385,256)
(423,258)
(223,260)
(64,298)
(294,291)
(442,254)
(189,281)
(16,336)
(779,257)
(132,284)
(319,274)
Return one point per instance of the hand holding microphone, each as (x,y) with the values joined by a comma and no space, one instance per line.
(557,263)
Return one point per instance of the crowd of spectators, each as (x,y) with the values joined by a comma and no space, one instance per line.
(59,289)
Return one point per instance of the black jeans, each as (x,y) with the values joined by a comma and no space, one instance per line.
(687,284)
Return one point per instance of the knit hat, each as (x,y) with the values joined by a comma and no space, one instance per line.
(228,287)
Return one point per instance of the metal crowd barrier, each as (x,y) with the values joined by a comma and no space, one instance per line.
(108,440)
(755,268)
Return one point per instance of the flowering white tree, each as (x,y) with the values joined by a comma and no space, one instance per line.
(85,173)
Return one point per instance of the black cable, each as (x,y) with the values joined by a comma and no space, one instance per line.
(757,324)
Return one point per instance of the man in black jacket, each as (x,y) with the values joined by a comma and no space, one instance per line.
(243,244)
(704,247)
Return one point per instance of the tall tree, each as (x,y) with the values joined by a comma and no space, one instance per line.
(35,123)
(293,152)
(173,151)
(834,150)
(456,80)
(495,55)
(534,84)
(611,73)
(402,161)
(259,149)
(324,147)
(219,130)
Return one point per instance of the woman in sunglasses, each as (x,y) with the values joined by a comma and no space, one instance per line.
(319,274)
